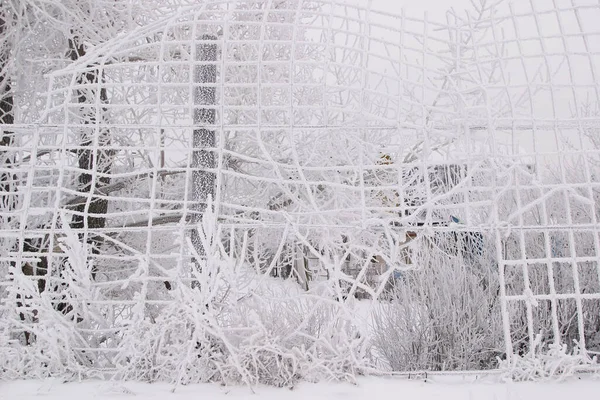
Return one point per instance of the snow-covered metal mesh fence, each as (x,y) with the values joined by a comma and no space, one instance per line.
(444,173)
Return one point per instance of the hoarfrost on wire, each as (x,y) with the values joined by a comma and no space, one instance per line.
(269,192)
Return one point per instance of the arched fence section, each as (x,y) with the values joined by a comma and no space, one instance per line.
(276,190)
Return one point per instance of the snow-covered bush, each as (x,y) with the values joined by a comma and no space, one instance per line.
(49,323)
(258,339)
(234,325)
(545,362)
(444,315)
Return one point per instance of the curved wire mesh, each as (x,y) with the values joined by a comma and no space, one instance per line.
(339,145)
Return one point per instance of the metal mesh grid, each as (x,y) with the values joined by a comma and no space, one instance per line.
(325,132)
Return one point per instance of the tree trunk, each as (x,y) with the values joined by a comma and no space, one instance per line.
(8,179)
(203,180)
(6,118)
(91,214)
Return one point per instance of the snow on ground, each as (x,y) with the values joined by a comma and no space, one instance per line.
(376,388)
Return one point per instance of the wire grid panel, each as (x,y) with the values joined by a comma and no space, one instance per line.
(335,142)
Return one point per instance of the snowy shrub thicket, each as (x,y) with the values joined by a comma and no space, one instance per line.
(443,315)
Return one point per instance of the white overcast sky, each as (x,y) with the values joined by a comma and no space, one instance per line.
(439,7)
(420,5)
(436,10)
